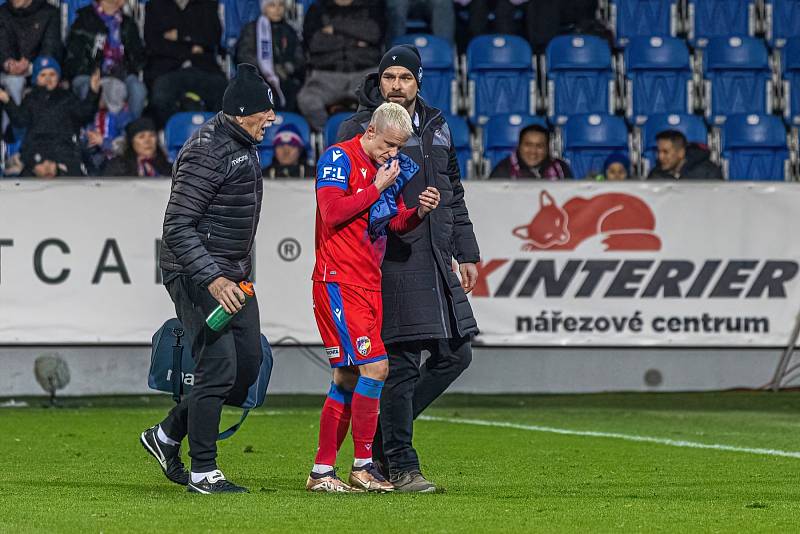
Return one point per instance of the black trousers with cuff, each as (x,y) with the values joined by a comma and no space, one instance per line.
(226,364)
(409,389)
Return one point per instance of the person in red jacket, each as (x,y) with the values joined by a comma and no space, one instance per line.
(352,177)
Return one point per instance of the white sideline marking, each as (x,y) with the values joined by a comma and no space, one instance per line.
(614,435)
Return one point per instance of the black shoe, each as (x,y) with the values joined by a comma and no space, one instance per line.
(214,483)
(411,482)
(168,456)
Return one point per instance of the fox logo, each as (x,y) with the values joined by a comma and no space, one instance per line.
(624,222)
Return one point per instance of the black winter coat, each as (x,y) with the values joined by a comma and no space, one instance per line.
(341,51)
(422,296)
(198,24)
(52,121)
(81,44)
(213,211)
(29,32)
(698,166)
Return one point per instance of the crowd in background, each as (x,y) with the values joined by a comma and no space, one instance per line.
(94,102)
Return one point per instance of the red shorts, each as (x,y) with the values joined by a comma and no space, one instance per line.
(349,319)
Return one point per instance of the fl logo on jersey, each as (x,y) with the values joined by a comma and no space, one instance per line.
(363,345)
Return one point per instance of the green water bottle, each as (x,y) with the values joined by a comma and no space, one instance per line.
(219,318)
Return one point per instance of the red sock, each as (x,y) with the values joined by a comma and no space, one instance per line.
(366,405)
(333,422)
(344,426)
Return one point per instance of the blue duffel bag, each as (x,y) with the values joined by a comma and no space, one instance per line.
(172,369)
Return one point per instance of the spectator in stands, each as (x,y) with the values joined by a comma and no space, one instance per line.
(479,12)
(142,156)
(544,20)
(272,45)
(439,13)
(615,168)
(103,37)
(290,155)
(531,159)
(181,39)
(343,41)
(105,136)
(28,29)
(679,160)
(52,117)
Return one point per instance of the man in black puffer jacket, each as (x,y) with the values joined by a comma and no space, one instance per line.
(209,229)
(28,29)
(425,306)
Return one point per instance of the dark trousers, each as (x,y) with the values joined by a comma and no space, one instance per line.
(409,389)
(170,87)
(227,363)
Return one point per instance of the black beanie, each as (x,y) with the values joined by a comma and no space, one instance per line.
(142,124)
(247,93)
(403,56)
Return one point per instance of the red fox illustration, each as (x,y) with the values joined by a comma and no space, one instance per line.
(624,221)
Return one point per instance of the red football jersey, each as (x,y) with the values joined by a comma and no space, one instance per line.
(345,192)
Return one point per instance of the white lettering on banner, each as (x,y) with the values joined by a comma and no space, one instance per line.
(568,263)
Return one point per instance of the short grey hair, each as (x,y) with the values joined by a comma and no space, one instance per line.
(394,116)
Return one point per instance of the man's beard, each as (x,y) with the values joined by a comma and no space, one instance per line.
(405,102)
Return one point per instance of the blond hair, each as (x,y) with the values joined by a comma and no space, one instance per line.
(394,116)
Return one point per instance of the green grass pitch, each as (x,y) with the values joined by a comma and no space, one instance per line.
(80,468)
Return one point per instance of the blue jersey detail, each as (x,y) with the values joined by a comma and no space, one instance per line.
(333,168)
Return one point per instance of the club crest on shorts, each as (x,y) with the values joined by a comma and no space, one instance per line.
(363,345)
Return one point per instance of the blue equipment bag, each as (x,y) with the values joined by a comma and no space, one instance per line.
(172,369)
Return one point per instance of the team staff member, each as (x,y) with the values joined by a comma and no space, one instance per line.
(426,304)
(347,290)
(209,229)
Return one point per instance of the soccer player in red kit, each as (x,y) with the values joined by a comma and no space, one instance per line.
(351,176)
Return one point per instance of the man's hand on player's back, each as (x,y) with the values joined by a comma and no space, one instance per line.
(227,293)
(387,175)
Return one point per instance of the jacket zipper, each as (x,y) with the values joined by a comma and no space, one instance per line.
(255,209)
(430,226)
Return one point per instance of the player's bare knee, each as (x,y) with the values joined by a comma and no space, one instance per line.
(346,377)
(376,370)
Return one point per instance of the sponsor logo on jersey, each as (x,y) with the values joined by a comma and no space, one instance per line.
(363,345)
(240,159)
(333,173)
(363,172)
(332,352)
(338,313)
(336,155)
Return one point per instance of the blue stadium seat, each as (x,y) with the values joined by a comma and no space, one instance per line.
(658,77)
(180,127)
(265,149)
(501,135)
(332,126)
(643,18)
(234,15)
(692,126)
(754,147)
(588,139)
(720,18)
(579,77)
(790,65)
(738,77)
(500,75)
(439,86)
(782,21)
(459,134)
